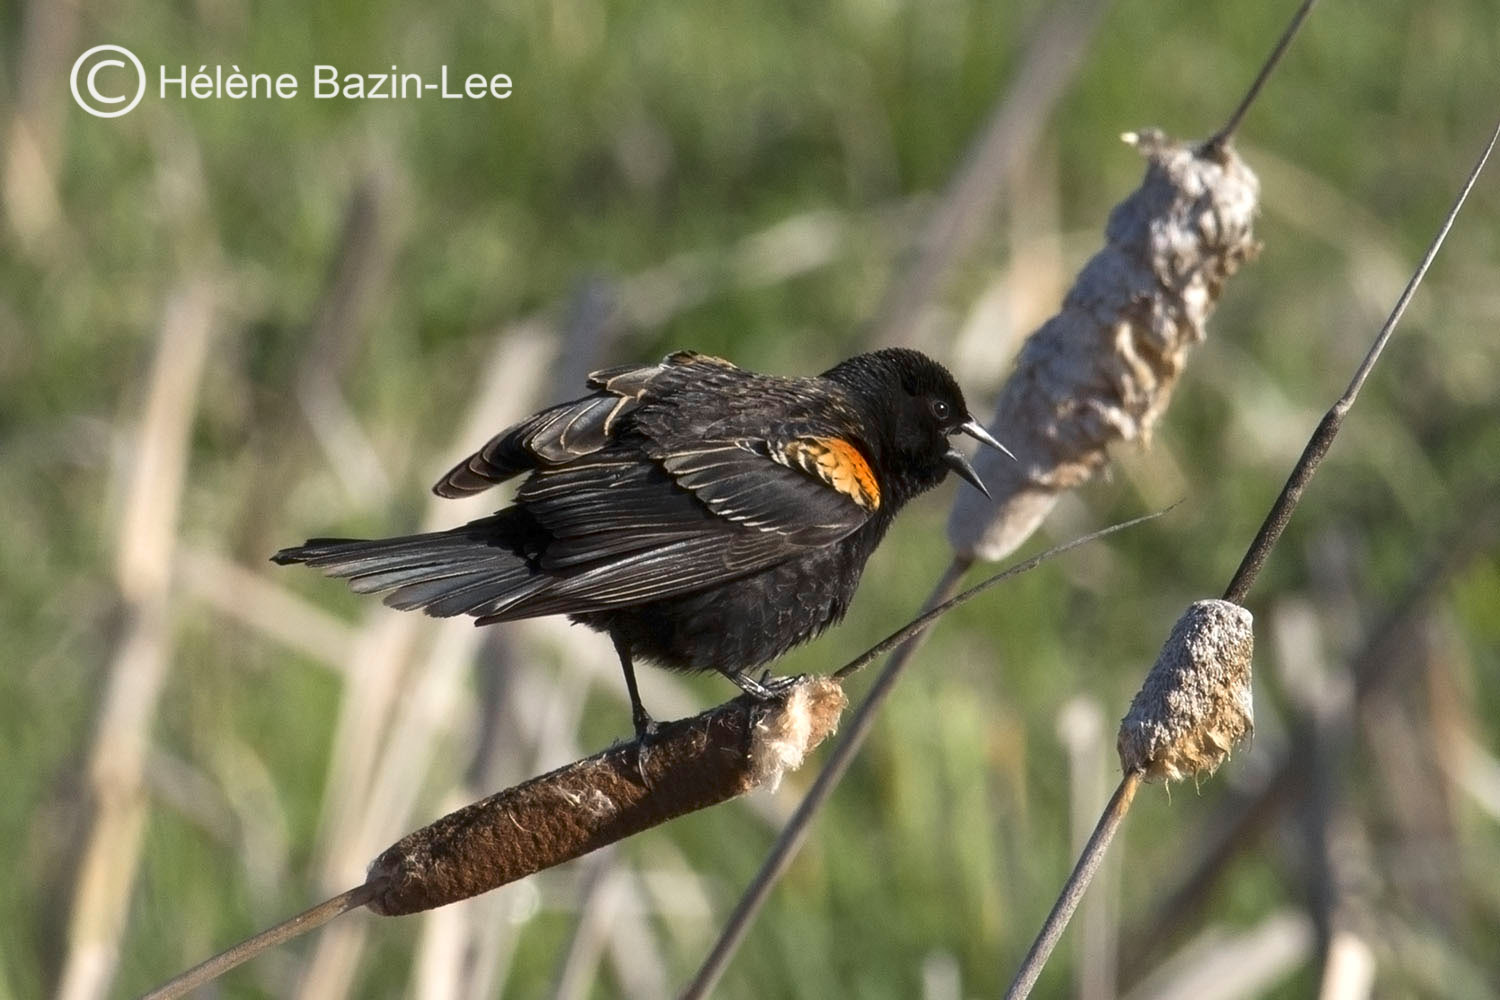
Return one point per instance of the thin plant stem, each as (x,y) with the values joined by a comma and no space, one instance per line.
(1073,890)
(795,833)
(1219,138)
(946,603)
(1322,438)
(905,641)
(1260,549)
(213,968)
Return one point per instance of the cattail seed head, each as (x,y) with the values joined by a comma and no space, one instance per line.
(1102,370)
(1194,706)
(693,763)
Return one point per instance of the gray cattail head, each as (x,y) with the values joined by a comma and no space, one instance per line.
(1102,370)
(1194,707)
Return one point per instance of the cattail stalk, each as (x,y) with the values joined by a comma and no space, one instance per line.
(142,662)
(1192,710)
(1195,705)
(1101,370)
(692,764)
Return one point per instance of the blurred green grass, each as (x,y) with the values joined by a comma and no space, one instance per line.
(639,133)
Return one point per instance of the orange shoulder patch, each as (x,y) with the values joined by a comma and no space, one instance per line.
(839,464)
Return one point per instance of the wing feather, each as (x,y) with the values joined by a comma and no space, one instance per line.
(646,575)
(657,484)
(563,433)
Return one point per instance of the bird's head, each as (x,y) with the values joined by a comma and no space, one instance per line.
(913,406)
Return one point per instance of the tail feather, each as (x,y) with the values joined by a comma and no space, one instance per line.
(471,594)
(444,573)
(428,571)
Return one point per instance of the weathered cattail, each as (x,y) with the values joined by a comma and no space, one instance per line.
(693,763)
(1102,370)
(1194,706)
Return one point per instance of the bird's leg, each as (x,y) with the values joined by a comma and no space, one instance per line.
(645,726)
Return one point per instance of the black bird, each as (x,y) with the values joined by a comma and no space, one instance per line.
(705,516)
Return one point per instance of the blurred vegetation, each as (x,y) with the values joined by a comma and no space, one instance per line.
(644,136)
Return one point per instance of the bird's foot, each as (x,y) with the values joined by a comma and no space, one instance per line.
(763,691)
(768,687)
(645,734)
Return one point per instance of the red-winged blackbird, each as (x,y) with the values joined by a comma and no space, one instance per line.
(706,517)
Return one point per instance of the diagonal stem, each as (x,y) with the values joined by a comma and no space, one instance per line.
(906,642)
(206,972)
(1322,438)
(1225,133)
(795,833)
(1073,890)
(1260,549)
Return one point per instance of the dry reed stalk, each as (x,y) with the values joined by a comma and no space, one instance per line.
(1031,281)
(1081,730)
(1238,964)
(364,804)
(1011,134)
(635,948)
(597,904)
(34,134)
(265,607)
(1349,970)
(156,472)
(355,281)
(612,924)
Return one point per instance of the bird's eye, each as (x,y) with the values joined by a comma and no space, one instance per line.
(941,409)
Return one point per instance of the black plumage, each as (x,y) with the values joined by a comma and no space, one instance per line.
(704,516)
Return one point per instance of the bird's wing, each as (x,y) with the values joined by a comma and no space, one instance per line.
(624,530)
(809,488)
(571,430)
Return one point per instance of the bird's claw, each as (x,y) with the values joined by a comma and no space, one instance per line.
(645,734)
(768,688)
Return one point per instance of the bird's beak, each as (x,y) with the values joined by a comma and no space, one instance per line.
(976,430)
(956,461)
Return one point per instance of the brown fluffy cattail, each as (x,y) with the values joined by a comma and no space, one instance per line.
(693,763)
(1102,370)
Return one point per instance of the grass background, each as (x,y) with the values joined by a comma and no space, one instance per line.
(741,179)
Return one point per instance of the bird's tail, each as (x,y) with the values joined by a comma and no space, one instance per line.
(474,569)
